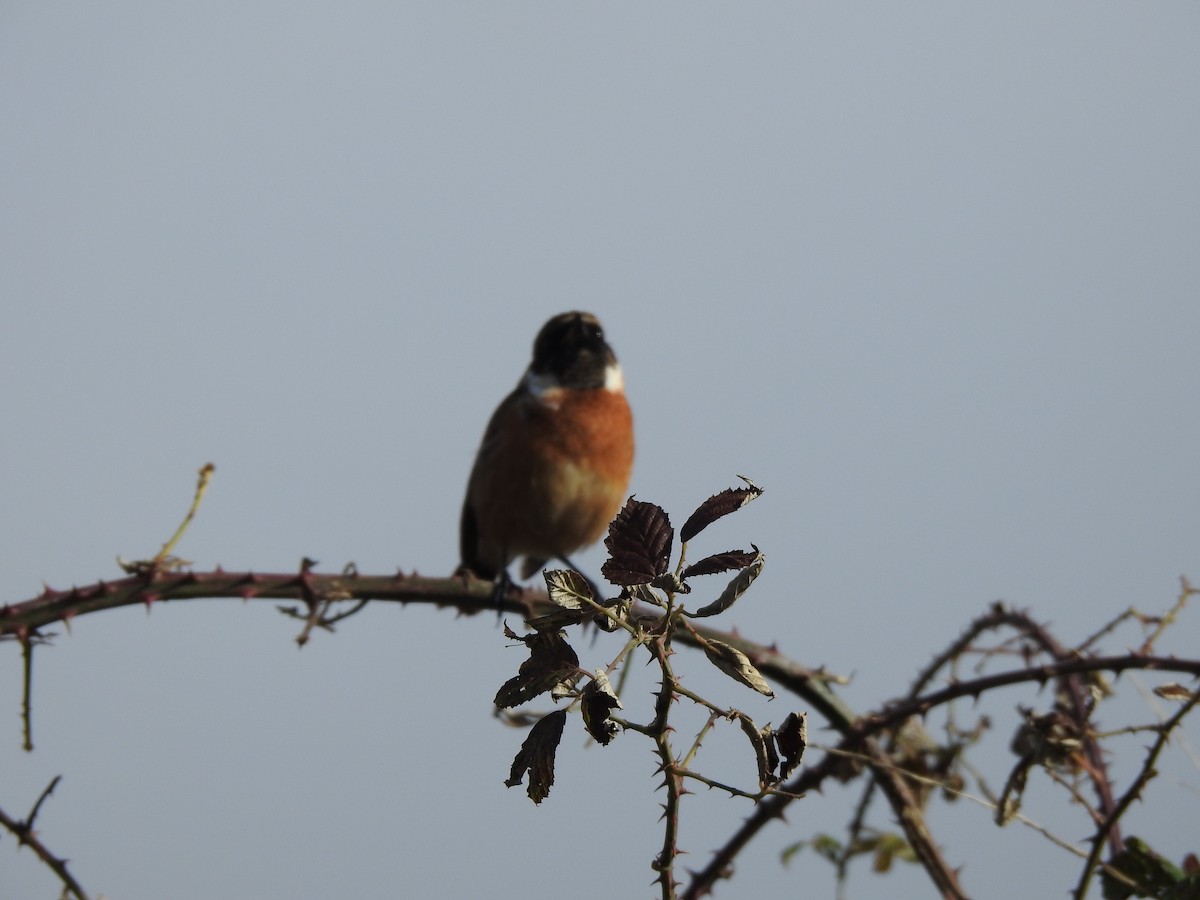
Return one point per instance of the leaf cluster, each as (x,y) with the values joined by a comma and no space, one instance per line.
(650,609)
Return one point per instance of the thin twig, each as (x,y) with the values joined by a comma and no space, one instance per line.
(1185,591)
(24,832)
(204,475)
(27,691)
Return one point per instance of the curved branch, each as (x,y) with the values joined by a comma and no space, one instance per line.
(895,713)
(161,586)
(1078,701)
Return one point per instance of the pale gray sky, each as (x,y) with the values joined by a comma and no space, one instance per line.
(928,273)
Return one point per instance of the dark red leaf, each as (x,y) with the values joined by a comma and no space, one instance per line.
(718,505)
(551,661)
(792,738)
(639,544)
(720,562)
(536,756)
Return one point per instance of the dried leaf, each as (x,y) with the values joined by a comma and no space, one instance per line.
(639,544)
(536,756)
(551,660)
(766,771)
(736,665)
(737,586)
(671,583)
(792,738)
(1009,803)
(556,619)
(567,588)
(721,562)
(597,703)
(718,505)
(768,737)
(604,623)
(1173,692)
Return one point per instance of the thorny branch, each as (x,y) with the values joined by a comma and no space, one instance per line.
(664,864)
(318,594)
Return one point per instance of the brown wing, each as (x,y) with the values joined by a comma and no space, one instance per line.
(474,556)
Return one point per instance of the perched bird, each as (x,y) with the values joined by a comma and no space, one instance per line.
(555,459)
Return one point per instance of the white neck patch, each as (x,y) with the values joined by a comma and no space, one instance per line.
(543,387)
(614,380)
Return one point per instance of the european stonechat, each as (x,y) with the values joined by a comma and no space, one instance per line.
(554,464)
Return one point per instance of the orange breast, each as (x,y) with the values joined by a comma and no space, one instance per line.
(555,474)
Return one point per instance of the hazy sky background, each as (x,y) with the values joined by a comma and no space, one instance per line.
(928,273)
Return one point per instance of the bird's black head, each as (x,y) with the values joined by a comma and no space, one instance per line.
(571,350)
